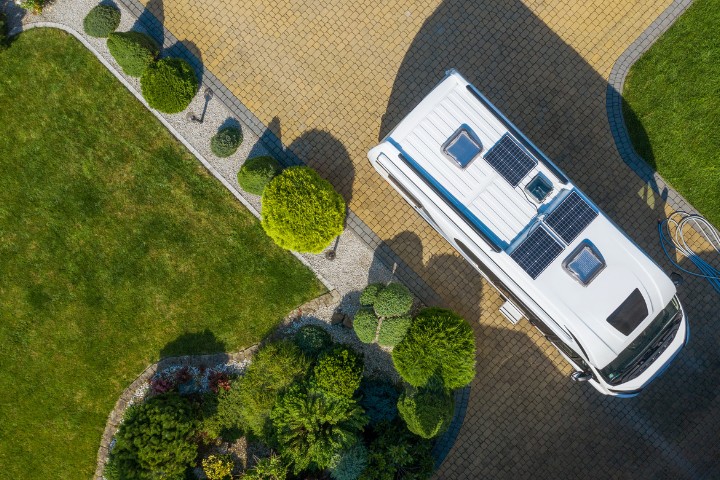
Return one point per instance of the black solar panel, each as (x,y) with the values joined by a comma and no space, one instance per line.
(510,160)
(536,252)
(571,217)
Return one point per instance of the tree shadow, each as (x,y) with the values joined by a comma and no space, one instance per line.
(14,15)
(271,137)
(638,135)
(194,343)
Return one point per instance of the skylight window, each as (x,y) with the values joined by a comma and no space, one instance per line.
(462,146)
(584,263)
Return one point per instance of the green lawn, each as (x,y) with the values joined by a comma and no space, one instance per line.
(116,247)
(672,106)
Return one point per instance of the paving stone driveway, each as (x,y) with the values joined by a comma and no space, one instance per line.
(332,77)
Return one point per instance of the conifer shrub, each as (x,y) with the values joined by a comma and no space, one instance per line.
(169,85)
(101,21)
(393,330)
(393,301)
(365,325)
(226,141)
(339,371)
(427,412)
(133,51)
(379,399)
(257,172)
(370,293)
(349,464)
(312,340)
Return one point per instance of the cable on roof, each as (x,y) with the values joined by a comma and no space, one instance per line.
(672,234)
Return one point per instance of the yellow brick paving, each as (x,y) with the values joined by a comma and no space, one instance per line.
(332,77)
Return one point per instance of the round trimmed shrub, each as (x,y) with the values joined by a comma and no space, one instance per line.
(133,51)
(379,399)
(439,343)
(427,413)
(393,301)
(312,339)
(393,330)
(301,211)
(339,371)
(226,141)
(370,293)
(169,85)
(349,464)
(101,21)
(257,172)
(365,325)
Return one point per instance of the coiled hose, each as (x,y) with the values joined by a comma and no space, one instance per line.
(672,234)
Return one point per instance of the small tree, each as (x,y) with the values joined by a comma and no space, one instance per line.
(339,371)
(427,412)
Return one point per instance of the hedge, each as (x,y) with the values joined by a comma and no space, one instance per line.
(226,141)
(133,51)
(365,325)
(393,330)
(427,413)
(393,301)
(101,21)
(257,172)
(169,85)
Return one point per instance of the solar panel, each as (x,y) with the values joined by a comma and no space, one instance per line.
(510,160)
(536,252)
(571,217)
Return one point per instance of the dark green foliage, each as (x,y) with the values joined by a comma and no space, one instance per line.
(439,343)
(257,172)
(226,141)
(4,32)
(427,412)
(155,439)
(169,85)
(301,211)
(268,468)
(379,399)
(312,339)
(370,293)
(393,330)
(133,51)
(398,454)
(101,21)
(339,371)
(350,463)
(365,325)
(311,427)
(393,301)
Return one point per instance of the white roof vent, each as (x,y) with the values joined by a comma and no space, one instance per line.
(462,146)
(584,263)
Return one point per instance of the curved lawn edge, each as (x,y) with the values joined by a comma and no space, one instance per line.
(614,105)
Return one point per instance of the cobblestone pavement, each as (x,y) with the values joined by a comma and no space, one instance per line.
(331,78)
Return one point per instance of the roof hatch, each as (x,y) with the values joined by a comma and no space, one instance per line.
(584,263)
(462,146)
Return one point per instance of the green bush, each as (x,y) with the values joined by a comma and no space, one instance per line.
(393,301)
(4,32)
(398,454)
(218,467)
(257,172)
(427,412)
(35,6)
(268,468)
(301,211)
(365,325)
(349,464)
(312,340)
(393,330)
(226,141)
(133,51)
(438,343)
(370,293)
(169,85)
(311,427)
(379,399)
(339,371)
(101,21)
(155,439)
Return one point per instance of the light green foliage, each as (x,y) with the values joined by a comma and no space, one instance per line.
(133,51)
(218,467)
(169,85)
(398,454)
(379,399)
(155,439)
(350,463)
(365,325)
(312,340)
(256,173)
(370,293)
(311,427)
(427,412)
(101,21)
(393,301)
(301,211)
(393,330)
(339,371)
(226,141)
(438,343)
(273,467)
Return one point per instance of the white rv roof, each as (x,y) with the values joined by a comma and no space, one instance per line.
(498,211)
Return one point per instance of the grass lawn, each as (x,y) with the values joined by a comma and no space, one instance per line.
(116,247)
(672,106)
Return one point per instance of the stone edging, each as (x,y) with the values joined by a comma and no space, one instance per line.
(613,101)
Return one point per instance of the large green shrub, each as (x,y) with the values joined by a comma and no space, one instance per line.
(393,301)
(365,325)
(301,211)
(226,141)
(427,412)
(312,340)
(393,330)
(370,293)
(438,343)
(257,172)
(339,371)
(311,427)
(169,85)
(398,454)
(273,467)
(101,21)
(155,439)
(379,399)
(349,464)
(133,51)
